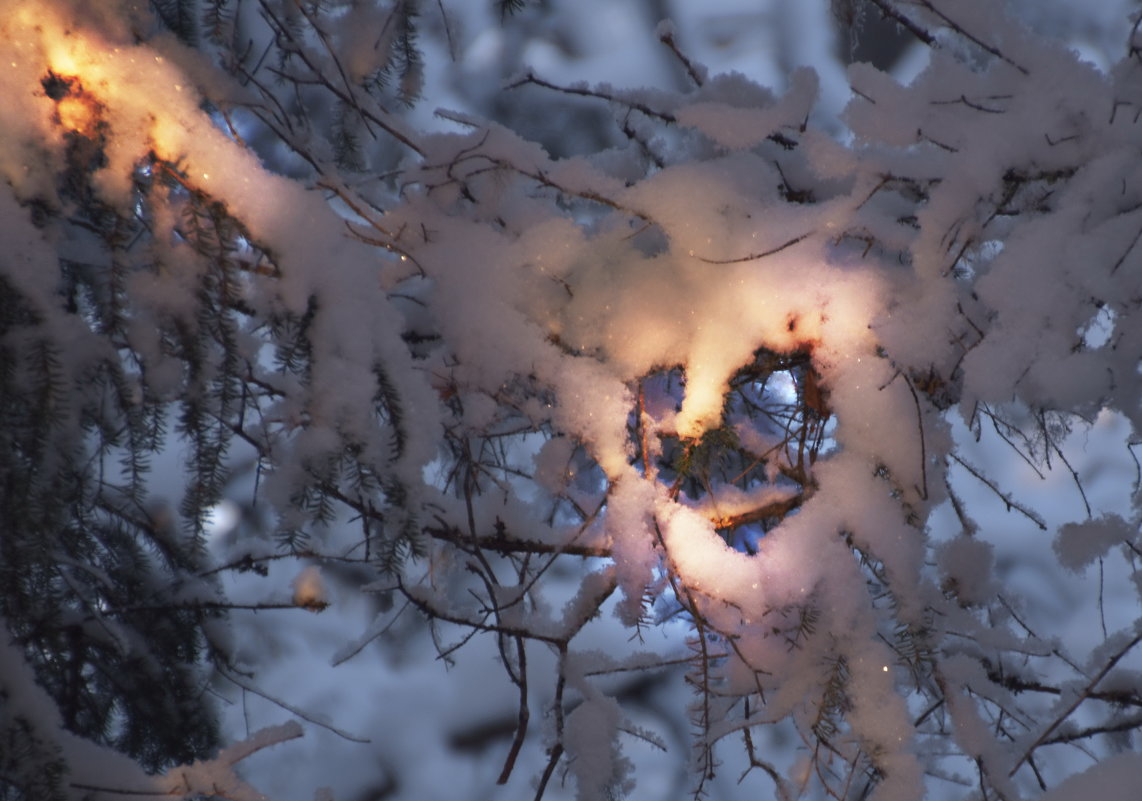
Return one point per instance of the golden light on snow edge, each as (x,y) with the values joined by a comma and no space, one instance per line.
(309,590)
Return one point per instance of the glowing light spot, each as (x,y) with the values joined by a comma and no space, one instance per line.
(222,518)
(166,137)
(885,668)
(309,590)
(63,62)
(206,175)
(76,114)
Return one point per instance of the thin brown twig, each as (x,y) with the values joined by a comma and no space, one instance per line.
(761,255)
(306,716)
(583,91)
(923,446)
(890,11)
(955,26)
(96,788)
(1010,502)
(524,713)
(349,99)
(667,38)
(1074,704)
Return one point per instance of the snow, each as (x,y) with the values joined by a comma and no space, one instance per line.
(309,590)
(943,258)
(589,738)
(1115,779)
(1080,544)
(216,777)
(745,128)
(92,766)
(968,564)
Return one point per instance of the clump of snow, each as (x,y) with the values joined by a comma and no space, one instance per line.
(309,590)
(966,564)
(1116,778)
(591,740)
(1079,544)
(741,128)
(631,528)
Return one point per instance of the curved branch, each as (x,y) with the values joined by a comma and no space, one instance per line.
(1074,704)
(761,255)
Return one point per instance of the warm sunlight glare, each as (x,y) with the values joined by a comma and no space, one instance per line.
(78,113)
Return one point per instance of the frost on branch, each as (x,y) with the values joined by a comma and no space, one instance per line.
(708,380)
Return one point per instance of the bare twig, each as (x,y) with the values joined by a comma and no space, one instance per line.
(955,26)
(923,490)
(1125,724)
(1074,704)
(95,788)
(1127,252)
(1010,502)
(301,713)
(666,36)
(524,713)
(1074,475)
(761,255)
(889,10)
(583,91)
(963,100)
(346,96)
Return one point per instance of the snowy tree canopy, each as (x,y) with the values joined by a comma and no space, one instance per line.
(720,436)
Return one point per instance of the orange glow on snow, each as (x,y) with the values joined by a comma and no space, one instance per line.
(78,113)
(166,135)
(62,57)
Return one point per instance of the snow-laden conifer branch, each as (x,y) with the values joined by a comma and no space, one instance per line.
(712,379)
